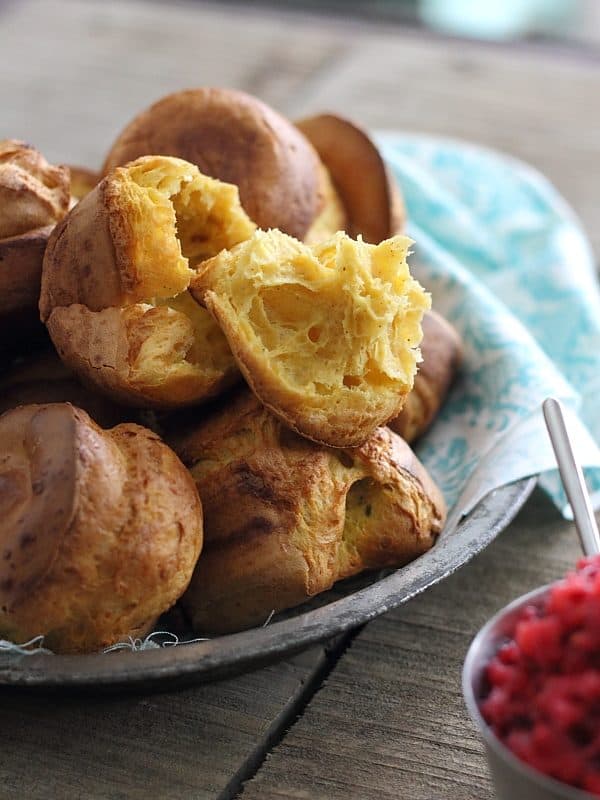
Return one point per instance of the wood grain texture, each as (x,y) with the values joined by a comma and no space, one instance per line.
(389,722)
(194,743)
(95,64)
(528,103)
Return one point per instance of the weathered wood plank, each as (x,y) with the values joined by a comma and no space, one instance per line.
(389,722)
(73,74)
(93,65)
(195,743)
(533,104)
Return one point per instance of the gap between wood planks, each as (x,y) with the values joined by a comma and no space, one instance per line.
(281,725)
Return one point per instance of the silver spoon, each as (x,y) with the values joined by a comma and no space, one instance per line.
(572,478)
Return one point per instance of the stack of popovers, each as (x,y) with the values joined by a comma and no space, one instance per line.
(163,287)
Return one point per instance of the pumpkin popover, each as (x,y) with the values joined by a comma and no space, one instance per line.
(284,517)
(99,530)
(442,354)
(115,278)
(326,335)
(369,195)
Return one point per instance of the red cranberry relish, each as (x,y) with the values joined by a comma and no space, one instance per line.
(543,697)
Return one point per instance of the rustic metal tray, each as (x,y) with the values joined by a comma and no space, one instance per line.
(350,604)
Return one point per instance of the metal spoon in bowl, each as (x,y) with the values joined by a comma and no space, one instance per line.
(572,478)
(513,779)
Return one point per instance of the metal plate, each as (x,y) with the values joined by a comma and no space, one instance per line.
(358,601)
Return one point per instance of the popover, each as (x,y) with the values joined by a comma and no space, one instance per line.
(326,335)
(284,518)
(99,530)
(34,196)
(115,278)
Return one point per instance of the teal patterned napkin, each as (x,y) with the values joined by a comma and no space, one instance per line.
(507,262)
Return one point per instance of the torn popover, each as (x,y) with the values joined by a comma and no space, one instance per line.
(284,518)
(34,196)
(235,137)
(326,335)
(99,530)
(115,278)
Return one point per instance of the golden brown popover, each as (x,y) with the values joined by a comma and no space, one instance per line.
(368,192)
(235,137)
(327,336)
(34,195)
(99,530)
(115,278)
(285,518)
(43,378)
(441,352)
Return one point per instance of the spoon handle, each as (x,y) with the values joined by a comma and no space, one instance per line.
(572,478)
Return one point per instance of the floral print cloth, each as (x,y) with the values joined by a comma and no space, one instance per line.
(508,263)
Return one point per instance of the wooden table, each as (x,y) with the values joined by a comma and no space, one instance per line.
(380,715)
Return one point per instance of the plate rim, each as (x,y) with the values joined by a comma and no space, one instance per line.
(224,656)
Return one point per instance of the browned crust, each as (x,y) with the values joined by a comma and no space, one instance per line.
(275,508)
(366,187)
(21,260)
(100,530)
(96,346)
(85,260)
(234,137)
(39,496)
(442,353)
(33,193)
(391,461)
(33,196)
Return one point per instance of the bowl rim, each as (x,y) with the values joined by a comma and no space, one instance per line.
(471,672)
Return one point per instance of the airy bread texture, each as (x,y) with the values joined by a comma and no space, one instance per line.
(369,195)
(33,193)
(115,278)
(99,530)
(442,354)
(285,518)
(235,137)
(327,336)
